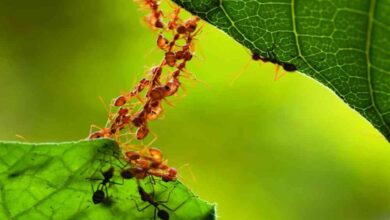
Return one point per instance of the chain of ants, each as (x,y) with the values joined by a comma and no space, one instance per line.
(143,104)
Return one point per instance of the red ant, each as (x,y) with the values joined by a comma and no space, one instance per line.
(155,18)
(149,161)
(123,99)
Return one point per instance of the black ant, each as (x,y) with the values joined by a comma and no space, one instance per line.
(288,67)
(101,193)
(150,198)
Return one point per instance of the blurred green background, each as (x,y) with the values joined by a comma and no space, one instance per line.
(259,148)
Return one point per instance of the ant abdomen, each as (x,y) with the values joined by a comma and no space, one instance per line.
(170,58)
(162,214)
(289,67)
(142,132)
(98,196)
(120,101)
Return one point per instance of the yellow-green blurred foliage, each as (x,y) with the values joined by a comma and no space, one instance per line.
(261,149)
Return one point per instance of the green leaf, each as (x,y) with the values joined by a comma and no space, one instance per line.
(42,181)
(343,44)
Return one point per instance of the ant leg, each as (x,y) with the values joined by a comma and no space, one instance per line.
(93,190)
(93,179)
(116,183)
(140,209)
(152,181)
(198,31)
(169,194)
(140,99)
(169,102)
(191,76)
(173,7)
(189,169)
(149,53)
(108,109)
(183,88)
(155,213)
(155,136)
(201,55)
(126,135)
(122,164)
(153,191)
(128,147)
(277,75)
(20,137)
(93,126)
(179,206)
(106,189)
(240,73)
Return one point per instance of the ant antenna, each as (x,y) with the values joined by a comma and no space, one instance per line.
(20,137)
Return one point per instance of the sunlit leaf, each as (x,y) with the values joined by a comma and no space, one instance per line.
(53,181)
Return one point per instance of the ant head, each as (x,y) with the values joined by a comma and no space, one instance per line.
(132,155)
(98,196)
(162,214)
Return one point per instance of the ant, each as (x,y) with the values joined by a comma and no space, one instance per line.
(155,18)
(102,133)
(149,162)
(289,67)
(161,213)
(172,24)
(101,193)
(123,99)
